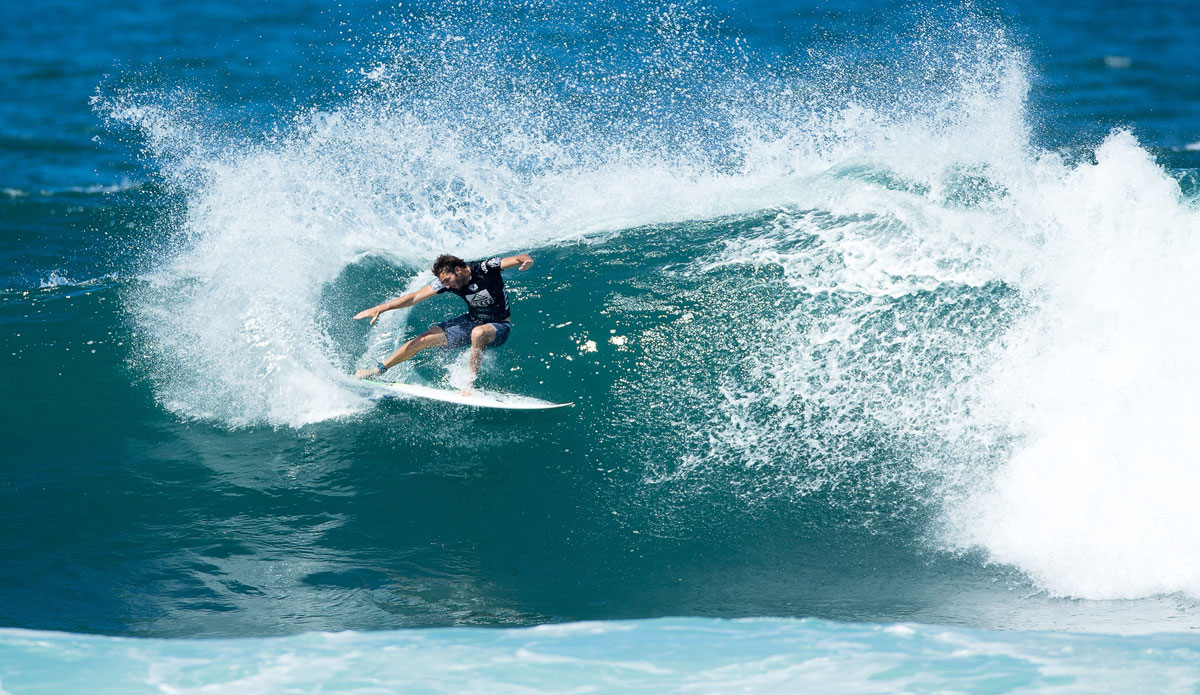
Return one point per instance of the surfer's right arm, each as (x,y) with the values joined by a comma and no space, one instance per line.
(401,302)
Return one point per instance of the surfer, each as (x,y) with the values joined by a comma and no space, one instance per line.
(486,323)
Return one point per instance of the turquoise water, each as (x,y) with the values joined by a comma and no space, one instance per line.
(669,655)
(875,319)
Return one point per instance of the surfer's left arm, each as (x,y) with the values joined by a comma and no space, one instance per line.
(521,261)
(402,302)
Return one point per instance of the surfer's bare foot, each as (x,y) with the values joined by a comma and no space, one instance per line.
(364,373)
(464,392)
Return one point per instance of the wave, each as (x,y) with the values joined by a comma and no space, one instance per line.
(464,156)
(93,189)
(982,334)
(57,283)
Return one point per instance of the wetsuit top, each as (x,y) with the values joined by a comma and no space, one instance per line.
(484,292)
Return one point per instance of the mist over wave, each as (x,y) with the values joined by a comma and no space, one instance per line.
(918,312)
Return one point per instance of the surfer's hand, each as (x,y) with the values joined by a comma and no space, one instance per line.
(526,264)
(373,312)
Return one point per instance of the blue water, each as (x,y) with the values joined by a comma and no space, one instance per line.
(876,318)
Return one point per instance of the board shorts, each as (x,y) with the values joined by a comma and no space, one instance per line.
(458,331)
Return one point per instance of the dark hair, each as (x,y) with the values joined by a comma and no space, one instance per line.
(446,262)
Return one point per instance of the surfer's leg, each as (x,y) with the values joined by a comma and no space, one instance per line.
(481,337)
(433,337)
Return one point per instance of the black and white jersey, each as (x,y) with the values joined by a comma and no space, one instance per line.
(483,293)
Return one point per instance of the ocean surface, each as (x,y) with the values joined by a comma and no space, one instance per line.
(878,319)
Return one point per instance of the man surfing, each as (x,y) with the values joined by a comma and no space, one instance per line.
(486,323)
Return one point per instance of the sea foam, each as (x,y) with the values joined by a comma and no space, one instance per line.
(675,655)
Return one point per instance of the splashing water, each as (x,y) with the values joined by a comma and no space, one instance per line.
(1098,383)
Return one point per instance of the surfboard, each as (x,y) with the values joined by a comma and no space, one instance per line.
(476,399)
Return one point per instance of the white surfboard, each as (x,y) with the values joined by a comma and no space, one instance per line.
(477,399)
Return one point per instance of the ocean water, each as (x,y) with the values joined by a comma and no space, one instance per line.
(876,318)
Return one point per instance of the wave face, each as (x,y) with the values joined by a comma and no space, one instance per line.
(865,321)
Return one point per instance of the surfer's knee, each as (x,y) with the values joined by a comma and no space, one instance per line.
(482,335)
(431,338)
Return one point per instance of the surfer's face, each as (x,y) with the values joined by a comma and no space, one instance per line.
(455,279)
